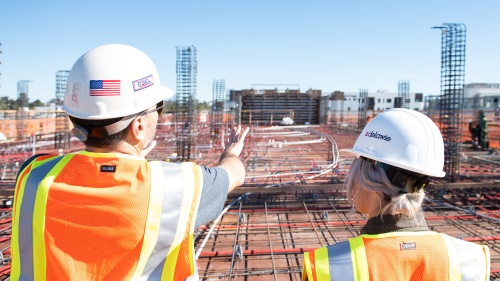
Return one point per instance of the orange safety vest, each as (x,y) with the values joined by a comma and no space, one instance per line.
(96,216)
(425,255)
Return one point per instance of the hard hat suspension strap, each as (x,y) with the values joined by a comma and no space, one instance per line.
(84,132)
(404,179)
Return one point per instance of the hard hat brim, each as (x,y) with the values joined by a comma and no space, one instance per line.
(166,91)
(380,159)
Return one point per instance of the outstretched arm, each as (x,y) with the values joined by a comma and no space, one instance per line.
(229,159)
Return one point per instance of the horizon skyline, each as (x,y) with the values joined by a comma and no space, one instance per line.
(324,45)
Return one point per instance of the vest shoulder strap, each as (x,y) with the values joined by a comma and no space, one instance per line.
(175,196)
(468,260)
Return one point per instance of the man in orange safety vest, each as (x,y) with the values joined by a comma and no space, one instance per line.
(106,213)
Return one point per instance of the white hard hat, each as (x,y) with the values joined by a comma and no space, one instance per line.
(112,81)
(403,138)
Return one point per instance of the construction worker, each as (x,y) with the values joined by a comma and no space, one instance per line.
(396,153)
(106,213)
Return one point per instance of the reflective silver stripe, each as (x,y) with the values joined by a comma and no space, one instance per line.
(340,260)
(171,206)
(26,217)
(472,260)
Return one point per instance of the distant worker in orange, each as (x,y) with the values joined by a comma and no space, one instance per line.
(396,153)
(106,213)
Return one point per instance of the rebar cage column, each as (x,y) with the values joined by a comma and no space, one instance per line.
(217,109)
(363,108)
(62,128)
(452,95)
(185,97)
(403,93)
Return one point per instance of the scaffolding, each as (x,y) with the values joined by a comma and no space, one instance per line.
(403,98)
(61,140)
(363,108)
(185,97)
(453,44)
(23,110)
(217,110)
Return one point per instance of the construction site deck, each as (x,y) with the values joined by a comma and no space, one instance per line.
(293,200)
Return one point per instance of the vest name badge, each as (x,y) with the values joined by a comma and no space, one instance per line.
(407,246)
(108,169)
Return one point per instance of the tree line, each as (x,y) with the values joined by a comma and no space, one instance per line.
(23,101)
(200,106)
(10,104)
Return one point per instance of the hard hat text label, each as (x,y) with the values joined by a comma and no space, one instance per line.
(143,83)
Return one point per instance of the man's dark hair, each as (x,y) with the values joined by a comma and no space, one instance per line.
(100,142)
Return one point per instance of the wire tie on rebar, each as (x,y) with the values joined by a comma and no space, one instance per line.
(324,216)
(242,218)
(238,251)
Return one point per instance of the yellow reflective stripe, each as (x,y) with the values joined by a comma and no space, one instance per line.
(184,216)
(15,254)
(16,262)
(359,262)
(321,263)
(486,251)
(453,259)
(153,220)
(306,267)
(16,259)
(40,262)
(321,266)
(169,266)
(191,251)
(198,181)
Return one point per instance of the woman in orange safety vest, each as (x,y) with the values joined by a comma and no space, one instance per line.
(397,152)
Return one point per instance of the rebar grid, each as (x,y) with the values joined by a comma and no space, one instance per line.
(286,230)
(273,230)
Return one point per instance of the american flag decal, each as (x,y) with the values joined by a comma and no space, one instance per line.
(105,87)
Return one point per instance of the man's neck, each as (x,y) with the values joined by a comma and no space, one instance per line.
(121,147)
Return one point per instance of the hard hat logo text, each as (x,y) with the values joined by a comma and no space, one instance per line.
(143,83)
(74,94)
(377,136)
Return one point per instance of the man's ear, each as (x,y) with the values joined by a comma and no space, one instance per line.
(137,128)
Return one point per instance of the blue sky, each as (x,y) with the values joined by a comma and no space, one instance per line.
(326,45)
